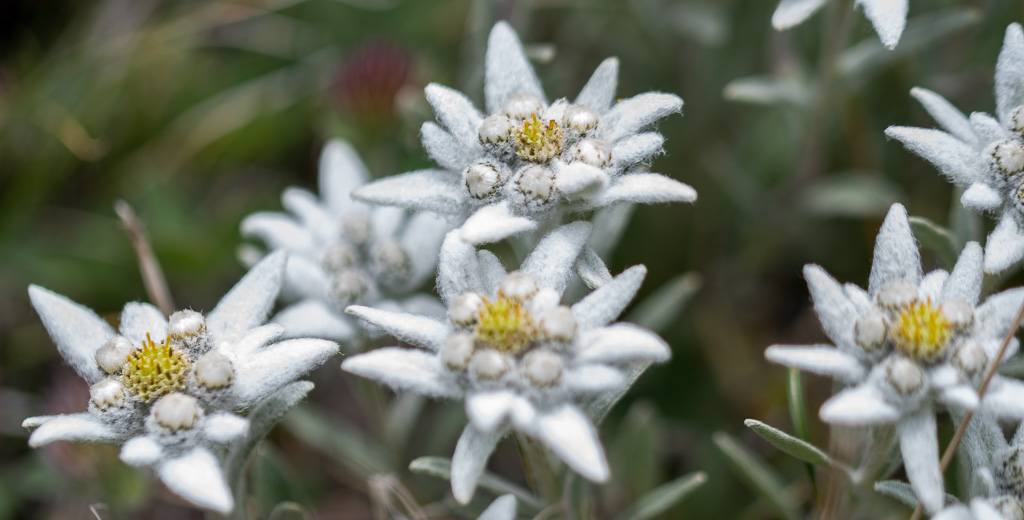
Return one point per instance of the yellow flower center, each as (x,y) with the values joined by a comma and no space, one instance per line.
(155,370)
(504,324)
(921,331)
(538,141)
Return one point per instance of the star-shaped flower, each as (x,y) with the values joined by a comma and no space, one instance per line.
(343,252)
(888,17)
(982,154)
(908,345)
(518,357)
(998,469)
(532,157)
(169,400)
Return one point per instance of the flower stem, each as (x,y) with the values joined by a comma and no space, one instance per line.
(947,456)
(152,275)
(540,475)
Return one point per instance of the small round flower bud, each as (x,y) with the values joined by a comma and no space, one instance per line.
(176,411)
(391,261)
(349,286)
(489,364)
(1017,120)
(517,285)
(957,312)
(558,324)
(106,393)
(897,294)
(1008,506)
(904,376)
(465,309)
(579,118)
(481,180)
(357,228)
(971,358)
(522,106)
(542,367)
(214,370)
(1009,156)
(537,182)
(338,257)
(112,355)
(495,129)
(869,331)
(594,152)
(186,326)
(457,351)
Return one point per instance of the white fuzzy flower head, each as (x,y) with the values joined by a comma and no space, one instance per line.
(909,345)
(165,389)
(541,158)
(518,358)
(982,154)
(342,252)
(888,17)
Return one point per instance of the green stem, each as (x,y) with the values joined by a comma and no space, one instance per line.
(540,474)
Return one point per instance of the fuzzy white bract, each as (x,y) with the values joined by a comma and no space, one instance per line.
(532,157)
(342,252)
(910,344)
(998,474)
(516,355)
(888,17)
(166,389)
(983,154)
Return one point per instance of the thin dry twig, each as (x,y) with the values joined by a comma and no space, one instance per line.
(947,456)
(152,275)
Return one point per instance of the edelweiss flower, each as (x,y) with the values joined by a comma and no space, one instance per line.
(342,252)
(169,401)
(908,344)
(532,157)
(888,17)
(517,356)
(998,486)
(983,154)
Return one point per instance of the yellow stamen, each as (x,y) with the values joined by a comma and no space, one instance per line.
(536,142)
(155,370)
(504,324)
(921,331)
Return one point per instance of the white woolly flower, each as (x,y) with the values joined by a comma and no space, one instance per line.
(518,358)
(530,156)
(910,344)
(343,252)
(165,388)
(983,154)
(888,17)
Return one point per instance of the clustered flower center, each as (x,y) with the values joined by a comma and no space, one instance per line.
(155,370)
(921,330)
(504,324)
(538,141)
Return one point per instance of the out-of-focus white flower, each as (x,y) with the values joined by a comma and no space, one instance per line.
(532,157)
(168,400)
(982,154)
(343,252)
(909,344)
(888,17)
(503,508)
(516,355)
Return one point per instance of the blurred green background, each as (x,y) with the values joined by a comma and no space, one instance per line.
(199,112)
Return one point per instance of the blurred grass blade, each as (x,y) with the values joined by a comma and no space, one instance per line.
(900,491)
(401,418)
(610,223)
(850,194)
(936,238)
(767,90)
(863,59)
(759,476)
(800,449)
(441,467)
(662,308)
(289,511)
(798,416)
(664,497)
(343,442)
